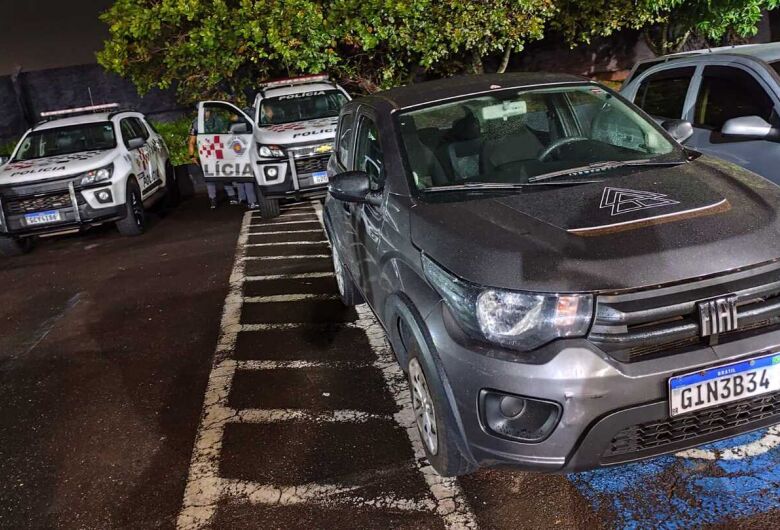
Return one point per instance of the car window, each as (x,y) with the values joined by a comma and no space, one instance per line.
(663,94)
(726,93)
(219,118)
(311,105)
(511,136)
(67,140)
(129,131)
(345,138)
(368,152)
(140,128)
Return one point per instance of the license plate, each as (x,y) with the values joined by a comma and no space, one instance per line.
(40,218)
(724,384)
(320,177)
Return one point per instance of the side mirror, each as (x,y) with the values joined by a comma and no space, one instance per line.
(4,159)
(353,186)
(239,128)
(748,127)
(135,143)
(680,130)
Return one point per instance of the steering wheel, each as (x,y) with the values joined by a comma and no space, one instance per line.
(557,144)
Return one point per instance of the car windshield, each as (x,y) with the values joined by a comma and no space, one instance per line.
(310,105)
(67,140)
(513,136)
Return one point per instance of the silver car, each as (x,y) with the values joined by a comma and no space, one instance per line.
(726,101)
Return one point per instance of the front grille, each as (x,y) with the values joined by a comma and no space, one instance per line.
(656,436)
(652,323)
(305,166)
(39,204)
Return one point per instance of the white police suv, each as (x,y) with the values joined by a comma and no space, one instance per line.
(79,168)
(282,143)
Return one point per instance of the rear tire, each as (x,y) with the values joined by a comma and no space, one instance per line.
(10,246)
(134,222)
(269,208)
(435,422)
(172,190)
(350,296)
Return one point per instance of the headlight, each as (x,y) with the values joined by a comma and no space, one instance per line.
(270,151)
(96,175)
(519,320)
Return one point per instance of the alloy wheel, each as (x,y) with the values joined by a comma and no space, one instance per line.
(138,209)
(339,270)
(424,411)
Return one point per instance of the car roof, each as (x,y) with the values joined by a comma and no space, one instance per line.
(768,52)
(78,120)
(430,91)
(296,89)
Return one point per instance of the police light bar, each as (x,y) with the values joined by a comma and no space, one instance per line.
(91,108)
(290,81)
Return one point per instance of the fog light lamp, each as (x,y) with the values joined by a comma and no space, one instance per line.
(271,172)
(104,196)
(518,418)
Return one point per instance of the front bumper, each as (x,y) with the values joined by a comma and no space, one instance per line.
(297,177)
(612,413)
(78,207)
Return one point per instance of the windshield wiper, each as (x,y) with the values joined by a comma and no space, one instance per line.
(603,166)
(498,186)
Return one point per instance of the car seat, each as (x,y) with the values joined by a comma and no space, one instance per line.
(464,148)
(426,168)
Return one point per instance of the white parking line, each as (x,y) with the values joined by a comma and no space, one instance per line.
(451,503)
(282,232)
(292,325)
(288,298)
(205,488)
(329,416)
(294,256)
(301,276)
(327,494)
(284,243)
(277,365)
(274,223)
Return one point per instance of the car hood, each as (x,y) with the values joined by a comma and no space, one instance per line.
(298,132)
(638,228)
(26,171)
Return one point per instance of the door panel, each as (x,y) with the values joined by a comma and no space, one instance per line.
(140,157)
(663,94)
(727,92)
(368,219)
(226,144)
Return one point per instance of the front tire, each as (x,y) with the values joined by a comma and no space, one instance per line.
(172,189)
(269,208)
(11,246)
(435,423)
(134,223)
(350,296)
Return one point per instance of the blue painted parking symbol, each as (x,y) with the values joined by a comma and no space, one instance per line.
(730,479)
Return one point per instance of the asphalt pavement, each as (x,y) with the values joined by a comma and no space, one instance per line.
(205,375)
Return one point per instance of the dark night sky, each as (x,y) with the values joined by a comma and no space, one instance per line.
(38,34)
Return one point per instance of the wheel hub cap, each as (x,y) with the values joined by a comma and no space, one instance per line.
(424,410)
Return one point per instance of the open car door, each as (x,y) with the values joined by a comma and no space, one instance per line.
(225,142)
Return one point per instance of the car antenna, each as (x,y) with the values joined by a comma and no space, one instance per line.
(91,102)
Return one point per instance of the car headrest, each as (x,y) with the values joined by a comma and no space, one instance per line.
(466,128)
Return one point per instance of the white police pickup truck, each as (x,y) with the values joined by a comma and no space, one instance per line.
(282,144)
(80,168)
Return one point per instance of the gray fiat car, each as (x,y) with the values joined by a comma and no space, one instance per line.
(566,286)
